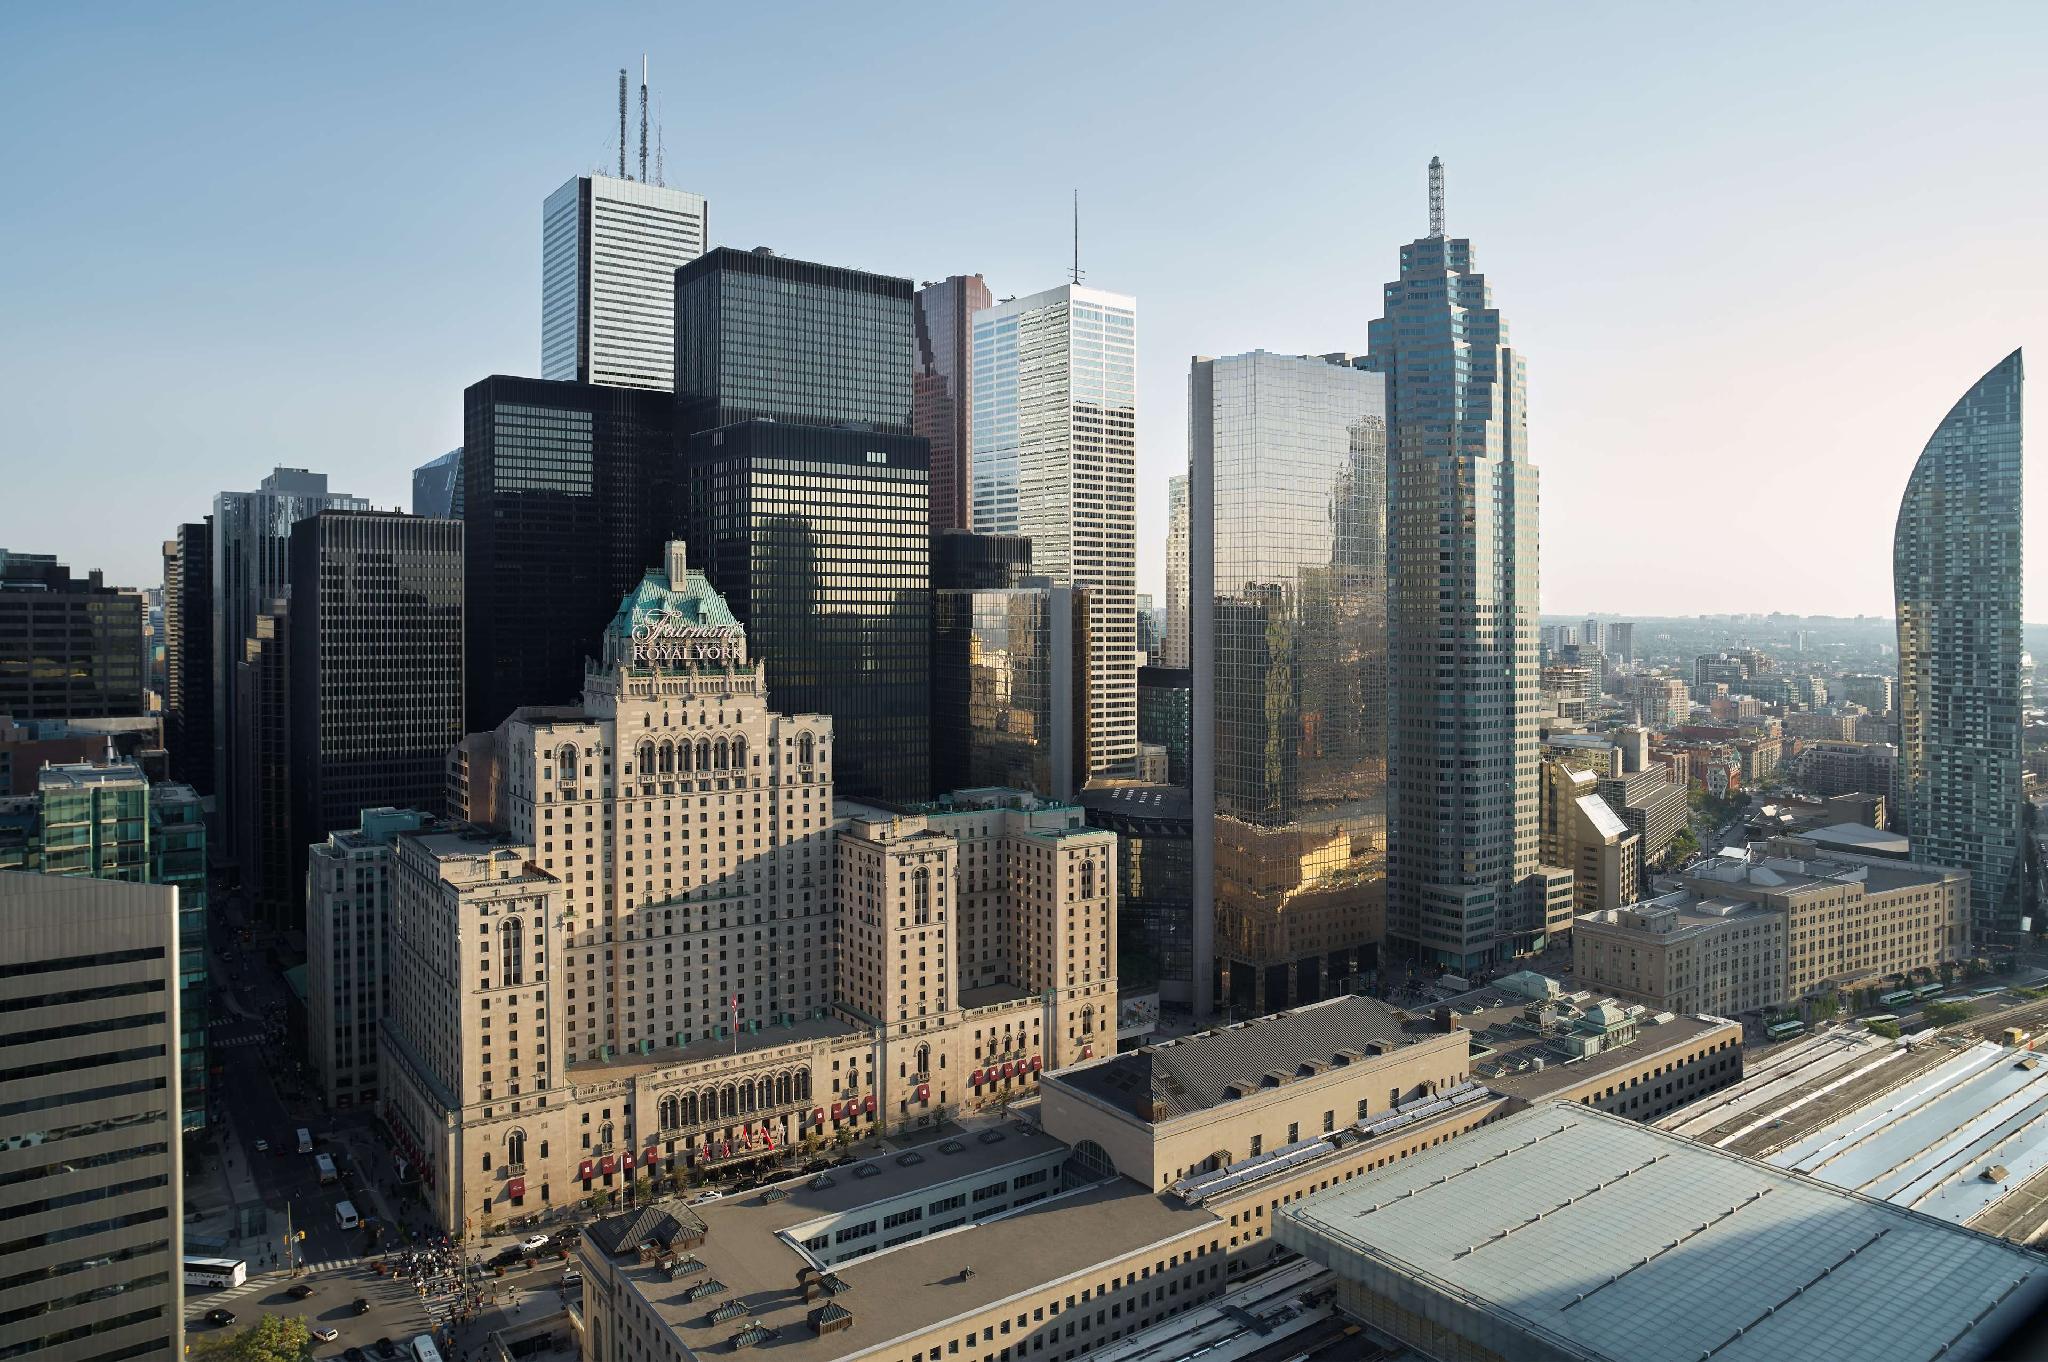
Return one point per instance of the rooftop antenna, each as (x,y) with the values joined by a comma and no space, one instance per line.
(622,122)
(1436,196)
(643,118)
(660,173)
(1077,237)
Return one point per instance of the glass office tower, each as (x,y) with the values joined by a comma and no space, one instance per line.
(609,252)
(1463,824)
(1055,446)
(569,491)
(1009,689)
(1177,571)
(1956,576)
(1287,571)
(941,401)
(810,497)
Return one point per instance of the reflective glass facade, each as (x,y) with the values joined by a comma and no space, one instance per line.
(941,392)
(609,253)
(569,491)
(1007,687)
(1956,576)
(188,654)
(819,542)
(1166,716)
(70,647)
(1287,475)
(1055,444)
(1462,620)
(1155,883)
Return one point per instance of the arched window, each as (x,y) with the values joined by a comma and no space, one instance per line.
(511,953)
(682,756)
(739,752)
(806,750)
(921,896)
(703,754)
(565,763)
(1088,1020)
(721,755)
(803,1085)
(671,1112)
(690,1109)
(1087,878)
(784,1093)
(767,1094)
(729,1101)
(604,1135)
(924,1059)
(668,757)
(643,764)
(515,1146)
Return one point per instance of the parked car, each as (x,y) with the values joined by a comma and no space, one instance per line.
(356,1355)
(263,1146)
(219,1317)
(299,1291)
(505,1257)
(534,1243)
(361,1306)
(385,1349)
(327,1333)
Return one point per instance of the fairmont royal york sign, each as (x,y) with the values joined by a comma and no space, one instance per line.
(665,639)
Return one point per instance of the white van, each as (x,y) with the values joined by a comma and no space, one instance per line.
(305,1140)
(345,1215)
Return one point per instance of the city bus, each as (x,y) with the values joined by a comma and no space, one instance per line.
(1904,995)
(1784,1030)
(423,1349)
(215,1272)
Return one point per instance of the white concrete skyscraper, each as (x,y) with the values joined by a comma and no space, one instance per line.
(610,249)
(1463,791)
(1055,448)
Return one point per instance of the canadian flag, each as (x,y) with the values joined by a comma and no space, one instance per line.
(767,1135)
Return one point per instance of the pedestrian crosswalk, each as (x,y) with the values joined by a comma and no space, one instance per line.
(232,1041)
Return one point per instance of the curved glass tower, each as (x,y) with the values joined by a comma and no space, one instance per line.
(1956,576)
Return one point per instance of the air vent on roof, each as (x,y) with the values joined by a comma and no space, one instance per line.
(866,1170)
(773,1195)
(730,1310)
(991,1137)
(951,1147)
(910,1158)
(821,1182)
(701,1290)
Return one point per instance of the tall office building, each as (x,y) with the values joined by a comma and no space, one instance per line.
(810,498)
(92,1166)
(1009,688)
(261,832)
(437,486)
(941,404)
(1055,447)
(251,570)
(1956,577)
(1177,571)
(1287,461)
(376,666)
(70,647)
(1464,698)
(188,654)
(569,490)
(1621,642)
(609,251)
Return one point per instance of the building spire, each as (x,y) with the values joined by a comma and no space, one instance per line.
(1436,196)
(1077,236)
(622,122)
(643,118)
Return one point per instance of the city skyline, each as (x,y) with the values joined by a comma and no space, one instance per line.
(420,304)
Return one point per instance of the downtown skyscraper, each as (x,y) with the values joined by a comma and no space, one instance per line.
(1956,578)
(941,392)
(1055,447)
(1463,788)
(1286,513)
(610,248)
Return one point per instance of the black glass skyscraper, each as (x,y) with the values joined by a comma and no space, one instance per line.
(188,654)
(70,647)
(376,666)
(810,499)
(568,494)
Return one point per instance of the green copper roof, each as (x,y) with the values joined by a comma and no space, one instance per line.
(661,604)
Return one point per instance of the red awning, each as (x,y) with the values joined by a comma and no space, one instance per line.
(585,1169)
(516,1187)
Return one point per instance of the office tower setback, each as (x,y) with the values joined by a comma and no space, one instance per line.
(1287,460)
(810,499)
(941,404)
(1956,576)
(610,248)
(569,491)
(1055,447)
(251,573)
(376,666)
(1009,689)
(188,654)
(1462,526)
(70,647)
(91,1171)
(1177,571)
(437,486)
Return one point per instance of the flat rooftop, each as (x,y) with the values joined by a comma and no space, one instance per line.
(1515,1056)
(1595,1237)
(913,1286)
(1195,1072)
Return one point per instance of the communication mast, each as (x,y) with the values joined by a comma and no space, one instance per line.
(622,122)
(643,118)
(1436,196)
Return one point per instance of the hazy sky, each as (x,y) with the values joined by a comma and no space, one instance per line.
(1752,252)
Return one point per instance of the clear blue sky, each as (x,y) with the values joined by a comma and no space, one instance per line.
(1752,252)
